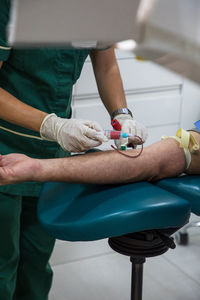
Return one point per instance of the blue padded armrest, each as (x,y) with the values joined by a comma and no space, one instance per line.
(187,187)
(81,212)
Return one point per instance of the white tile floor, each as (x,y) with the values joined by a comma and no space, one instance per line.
(174,275)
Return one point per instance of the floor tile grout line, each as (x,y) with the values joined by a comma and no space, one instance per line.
(180,269)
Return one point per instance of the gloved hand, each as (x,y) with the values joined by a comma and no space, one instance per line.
(129,125)
(71,134)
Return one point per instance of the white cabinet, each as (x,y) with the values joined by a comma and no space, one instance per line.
(137,76)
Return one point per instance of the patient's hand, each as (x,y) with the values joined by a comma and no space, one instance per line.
(16,168)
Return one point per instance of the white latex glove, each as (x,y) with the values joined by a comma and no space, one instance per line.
(129,125)
(72,135)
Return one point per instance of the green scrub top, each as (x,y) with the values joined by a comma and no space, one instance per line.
(42,78)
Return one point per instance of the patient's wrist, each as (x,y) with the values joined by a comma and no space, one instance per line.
(41,170)
(34,169)
(48,169)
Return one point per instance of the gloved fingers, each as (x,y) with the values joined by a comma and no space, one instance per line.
(90,139)
(144,134)
(127,128)
(71,134)
(93,125)
(135,129)
(94,135)
(91,144)
(141,131)
(133,140)
(138,130)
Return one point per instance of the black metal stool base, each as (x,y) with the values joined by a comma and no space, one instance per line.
(138,246)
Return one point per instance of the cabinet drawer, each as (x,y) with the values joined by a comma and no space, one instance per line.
(156,108)
(136,76)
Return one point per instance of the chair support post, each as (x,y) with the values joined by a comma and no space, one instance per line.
(137,277)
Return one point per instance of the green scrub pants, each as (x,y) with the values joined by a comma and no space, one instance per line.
(25,273)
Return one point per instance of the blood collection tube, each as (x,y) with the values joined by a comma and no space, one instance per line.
(115,134)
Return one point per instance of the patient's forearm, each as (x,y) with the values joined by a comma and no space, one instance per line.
(162,159)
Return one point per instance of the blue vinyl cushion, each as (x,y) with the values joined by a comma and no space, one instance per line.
(187,187)
(81,212)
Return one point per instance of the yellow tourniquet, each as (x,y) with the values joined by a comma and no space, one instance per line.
(184,138)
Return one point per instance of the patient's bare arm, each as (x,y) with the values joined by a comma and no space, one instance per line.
(163,159)
(160,160)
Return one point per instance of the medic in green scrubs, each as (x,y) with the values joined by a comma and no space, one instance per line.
(35,100)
